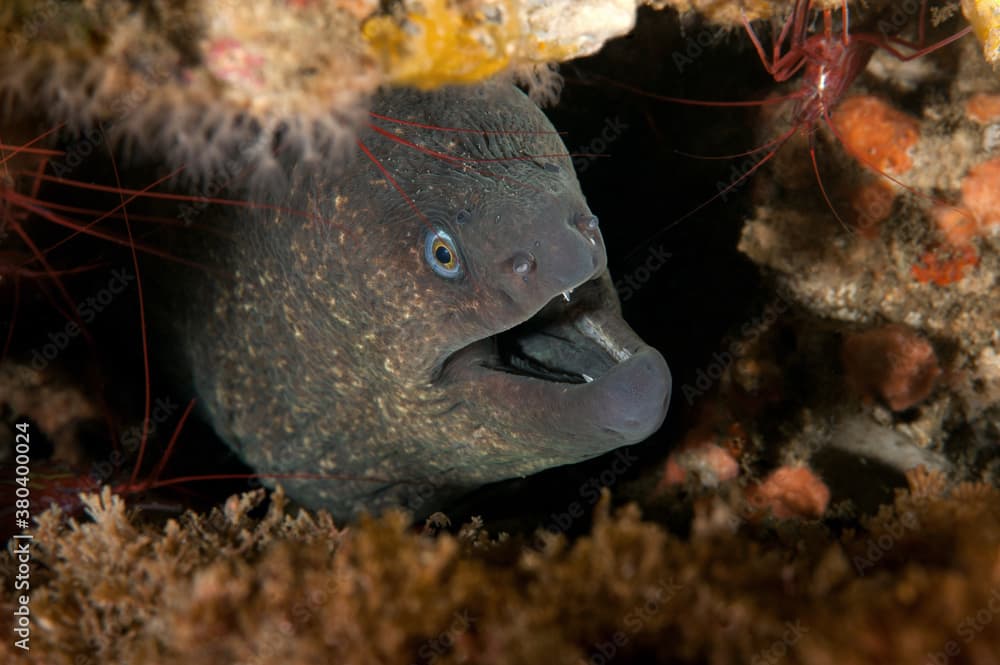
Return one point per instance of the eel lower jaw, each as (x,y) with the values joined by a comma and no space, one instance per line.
(574,369)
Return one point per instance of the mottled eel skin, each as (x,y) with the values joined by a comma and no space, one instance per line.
(413,356)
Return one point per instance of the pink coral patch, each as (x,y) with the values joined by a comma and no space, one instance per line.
(712,464)
(981,192)
(789,492)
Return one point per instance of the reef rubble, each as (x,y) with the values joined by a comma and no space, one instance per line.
(919,579)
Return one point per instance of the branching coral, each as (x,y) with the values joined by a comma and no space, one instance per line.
(227,588)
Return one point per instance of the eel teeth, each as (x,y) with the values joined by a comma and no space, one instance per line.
(587,378)
(565,294)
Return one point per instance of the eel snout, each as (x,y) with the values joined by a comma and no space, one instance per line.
(574,372)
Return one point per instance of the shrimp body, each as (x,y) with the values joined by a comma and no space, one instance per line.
(831,66)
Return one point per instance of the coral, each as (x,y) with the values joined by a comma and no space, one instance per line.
(876,134)
(791,491)
(871,203)
(712,450)
(920,255)
(981,193)
(978,215)
(907,585)
(256,78)
(710,463)
(957,226)
(200,81)
(435,42)
(228,588)
(54,403)
(893,363)
(945,265)
(730,14)
(299,71)
(983,108)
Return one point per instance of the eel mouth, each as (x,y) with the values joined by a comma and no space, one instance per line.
(576,368)
(567,341)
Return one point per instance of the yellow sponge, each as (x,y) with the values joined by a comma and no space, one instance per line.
(984,15)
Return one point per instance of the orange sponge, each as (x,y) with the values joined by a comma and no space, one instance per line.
(876,134)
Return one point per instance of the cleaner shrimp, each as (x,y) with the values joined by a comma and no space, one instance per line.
(828,61)
(830,65)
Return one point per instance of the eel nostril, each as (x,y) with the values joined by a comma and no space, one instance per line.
(586,223)
(523,263)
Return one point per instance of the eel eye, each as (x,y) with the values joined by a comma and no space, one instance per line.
(440,253)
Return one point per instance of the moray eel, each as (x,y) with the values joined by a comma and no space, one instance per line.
(413,333)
